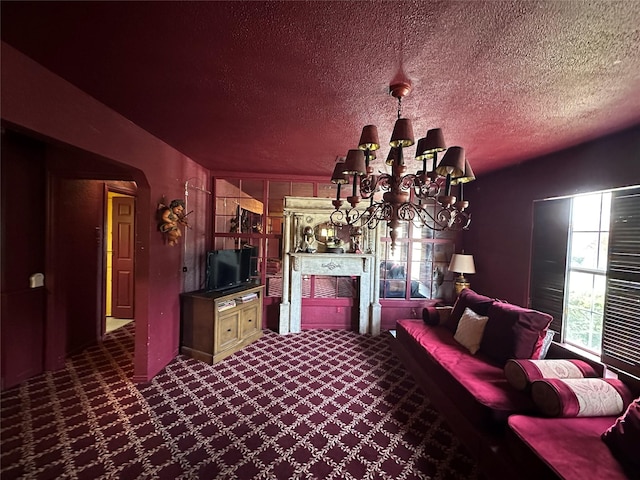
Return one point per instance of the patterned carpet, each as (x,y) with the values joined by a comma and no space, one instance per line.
(320,404)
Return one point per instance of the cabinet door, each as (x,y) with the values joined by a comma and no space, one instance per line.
(249,320)
(227,330)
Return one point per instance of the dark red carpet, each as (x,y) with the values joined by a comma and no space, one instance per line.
(320,404)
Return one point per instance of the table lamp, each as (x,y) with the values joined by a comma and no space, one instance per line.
(462,263)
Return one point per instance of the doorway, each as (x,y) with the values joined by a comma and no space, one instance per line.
(120,261)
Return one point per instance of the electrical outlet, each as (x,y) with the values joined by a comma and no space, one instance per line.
(36,280)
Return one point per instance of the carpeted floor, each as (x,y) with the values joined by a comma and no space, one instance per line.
(320,404)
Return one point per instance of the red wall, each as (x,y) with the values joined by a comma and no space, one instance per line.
(22,254)
(502,206)
(76,250)
(47,106)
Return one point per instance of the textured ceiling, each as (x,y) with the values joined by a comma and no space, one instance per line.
(285,87)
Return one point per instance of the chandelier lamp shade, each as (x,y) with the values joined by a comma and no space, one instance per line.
(339,178)
(424,198)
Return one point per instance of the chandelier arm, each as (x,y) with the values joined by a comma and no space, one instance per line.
(368,185)
(373,217)
(407,182)
(444,219)
(446,216)
(426,187)
(337,217)
(384,182)
(381,212)
(406,211)
(454,219)
(461,221)
(430,221)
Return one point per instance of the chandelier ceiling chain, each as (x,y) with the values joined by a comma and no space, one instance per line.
(423,198)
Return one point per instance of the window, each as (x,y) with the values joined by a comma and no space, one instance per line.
(585,271)
(249,212)
(418,266)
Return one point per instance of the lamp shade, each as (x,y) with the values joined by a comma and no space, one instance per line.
(434,141)
(420,150)
(462,263)
(468,176)
(355,163)
(393,156)
(369,138)
(452,163)
(338,175)
(402,135)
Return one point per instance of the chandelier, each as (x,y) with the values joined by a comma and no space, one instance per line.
(424,198)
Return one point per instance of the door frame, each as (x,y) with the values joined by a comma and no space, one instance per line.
(121,189)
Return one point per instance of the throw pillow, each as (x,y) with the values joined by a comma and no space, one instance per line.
(467,298)
(580,397)
(546,343)
(431,316)
(513,332)
(470,330)
(520,373)
(623,437)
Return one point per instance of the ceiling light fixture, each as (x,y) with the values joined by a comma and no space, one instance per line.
(424,198)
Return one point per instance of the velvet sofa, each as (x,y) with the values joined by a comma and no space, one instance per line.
(501,426)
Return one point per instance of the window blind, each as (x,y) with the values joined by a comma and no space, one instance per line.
(549,258)
(621,329)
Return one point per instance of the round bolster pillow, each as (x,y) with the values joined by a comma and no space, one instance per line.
(521,372)
(580,397)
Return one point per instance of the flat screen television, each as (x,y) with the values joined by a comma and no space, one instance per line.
(229,268)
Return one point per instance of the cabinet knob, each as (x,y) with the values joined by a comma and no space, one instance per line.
(228,329)
(250,320)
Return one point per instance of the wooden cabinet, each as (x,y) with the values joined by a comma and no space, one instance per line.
(215,325)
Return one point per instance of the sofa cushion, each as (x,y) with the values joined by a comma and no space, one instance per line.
(470,330)
(521,372)
(474,384)
(580,397)
(467,298)
(623,438)
(514,332)
(570,447)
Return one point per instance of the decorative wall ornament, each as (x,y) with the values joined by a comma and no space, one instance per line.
(309,243)
(171,218)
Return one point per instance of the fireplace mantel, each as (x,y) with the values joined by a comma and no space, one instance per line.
(347,264)
(299,213)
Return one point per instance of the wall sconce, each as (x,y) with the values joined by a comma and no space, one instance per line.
(462,263)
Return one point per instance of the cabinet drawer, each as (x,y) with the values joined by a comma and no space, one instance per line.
(227,331)
(249,320)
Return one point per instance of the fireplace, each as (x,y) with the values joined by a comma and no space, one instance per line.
(300,214)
